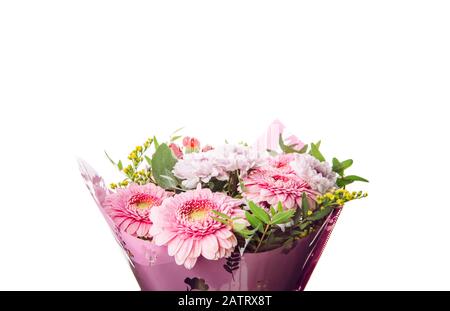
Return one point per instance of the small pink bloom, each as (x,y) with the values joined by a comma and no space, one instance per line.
(191,142)
(207,148)
(176,150)
(184,223)
(129,208)
(293,141)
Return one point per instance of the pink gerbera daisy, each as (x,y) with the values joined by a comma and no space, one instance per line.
(276,183)
(129,208)
(184,223)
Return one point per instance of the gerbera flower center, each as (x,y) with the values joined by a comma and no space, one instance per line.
(199,215)
(196,210)
(142,201)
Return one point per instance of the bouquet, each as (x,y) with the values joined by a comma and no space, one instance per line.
(227,217)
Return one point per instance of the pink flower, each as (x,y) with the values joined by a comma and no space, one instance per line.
(296,143)
(207,148)
(281,161)
(319,175)
(271,184)
(191,144)
(184,223)
(129,208)
(176,150)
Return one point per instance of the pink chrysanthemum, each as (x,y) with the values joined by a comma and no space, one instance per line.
(281,162)
(184,223)
(276,183)
(129,208)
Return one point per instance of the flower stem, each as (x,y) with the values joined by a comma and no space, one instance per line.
(262,238)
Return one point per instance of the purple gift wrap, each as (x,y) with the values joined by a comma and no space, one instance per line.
(279,269)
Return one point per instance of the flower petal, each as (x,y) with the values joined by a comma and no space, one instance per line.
(174,245)
(183,252)
(164,237)
(210,246)
(189,263)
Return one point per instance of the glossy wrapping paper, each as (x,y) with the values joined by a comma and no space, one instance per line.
(276,270)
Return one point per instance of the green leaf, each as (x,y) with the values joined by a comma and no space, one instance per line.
(304,149)
(246,232)
(238,226)
(220,220)
(290,148)
(295,232)
(272,211)
(339,167)
(280,207)
(109,158)
(336,164)
(176,131)
(120,165)
(342,182)
(316,153)
(297,215)
(255,222)
(347,180)
(318,144)
(149,161)
(283,217)
(156,143)
(162,163)
(285,148)
(221,214)
(174,138)
(320,214)
(355,178)
(305,205)
(346,164)
(259,212)
(171,182)
(242,185)
(304,225)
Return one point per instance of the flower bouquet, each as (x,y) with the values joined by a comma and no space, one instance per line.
(228,217)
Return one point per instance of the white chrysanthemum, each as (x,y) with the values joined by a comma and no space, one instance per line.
(231,158)
(219,162)
(196,167)
(318,175)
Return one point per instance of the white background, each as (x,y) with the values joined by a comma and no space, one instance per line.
(369,78)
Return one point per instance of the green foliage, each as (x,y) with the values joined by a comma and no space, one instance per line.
(321,213)
(265,232)
(339,168)
(282,217)
(222,215)
(315,152)
(132,170)
(259,212)
(254,221)
(163,162)
(305,205)
(339,197)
